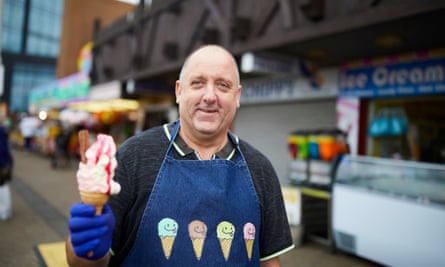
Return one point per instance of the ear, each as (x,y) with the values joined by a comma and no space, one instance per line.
(238,96)
(178,91)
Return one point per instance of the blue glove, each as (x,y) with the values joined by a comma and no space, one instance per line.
(91,234)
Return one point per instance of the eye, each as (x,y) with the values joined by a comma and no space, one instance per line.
(224,86)
(197,83)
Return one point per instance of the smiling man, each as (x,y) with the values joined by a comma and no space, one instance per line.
(190,172)
(207,100)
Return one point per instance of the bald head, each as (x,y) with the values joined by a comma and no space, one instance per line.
(209,51)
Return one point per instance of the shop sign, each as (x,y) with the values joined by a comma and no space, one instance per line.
(150,88)
(403,79)
(269,63)
(60,93)
(104,91)
(323,85)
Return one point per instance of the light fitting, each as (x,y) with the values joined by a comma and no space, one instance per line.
(388,41)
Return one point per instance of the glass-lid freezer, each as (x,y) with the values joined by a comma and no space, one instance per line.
(424,182)
(390,211)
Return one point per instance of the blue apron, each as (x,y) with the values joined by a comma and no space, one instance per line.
(200,213)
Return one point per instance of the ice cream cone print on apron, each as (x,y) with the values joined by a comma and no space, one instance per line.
(200,213)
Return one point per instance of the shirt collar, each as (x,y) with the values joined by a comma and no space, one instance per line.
(183,149)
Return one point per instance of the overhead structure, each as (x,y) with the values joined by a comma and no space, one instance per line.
(151,42)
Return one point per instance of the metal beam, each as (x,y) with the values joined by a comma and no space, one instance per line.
(198,30)
(220,20)
(288,17)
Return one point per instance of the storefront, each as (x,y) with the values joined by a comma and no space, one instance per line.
(411,87)
(401,101)
(405,100)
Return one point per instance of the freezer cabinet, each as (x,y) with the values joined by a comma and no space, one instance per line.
(390,211)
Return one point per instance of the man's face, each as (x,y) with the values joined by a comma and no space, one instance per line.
(208,93)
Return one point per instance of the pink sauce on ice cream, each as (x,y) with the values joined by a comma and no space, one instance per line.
(96,175)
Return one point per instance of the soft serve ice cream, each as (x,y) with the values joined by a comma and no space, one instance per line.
(96,171)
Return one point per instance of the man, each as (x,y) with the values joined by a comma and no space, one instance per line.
(193,194)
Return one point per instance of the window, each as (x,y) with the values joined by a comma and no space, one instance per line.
(44,30)
(13,16)
(25,77)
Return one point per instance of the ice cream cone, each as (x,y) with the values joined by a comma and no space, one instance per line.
(96,199)
(198,244)
(225,243)
(249,246)
(197,232)
(167,244)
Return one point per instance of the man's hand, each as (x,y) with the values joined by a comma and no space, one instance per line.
(90,234)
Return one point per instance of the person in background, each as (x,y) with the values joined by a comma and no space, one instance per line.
(6,167)
(28,127)
(6,159)
(61,152)
(193,193)
(54,127)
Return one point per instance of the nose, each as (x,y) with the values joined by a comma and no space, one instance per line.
(209,94)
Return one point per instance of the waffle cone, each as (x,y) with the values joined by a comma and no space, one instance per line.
(198,244)
(249,247)
(167,244)
(95,199)
(225,243)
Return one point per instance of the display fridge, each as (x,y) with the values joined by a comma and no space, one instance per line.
(390,211)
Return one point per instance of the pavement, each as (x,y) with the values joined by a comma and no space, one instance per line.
(42,197)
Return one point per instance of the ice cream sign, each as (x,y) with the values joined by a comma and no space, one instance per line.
(416,78)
